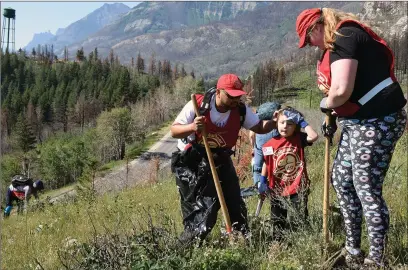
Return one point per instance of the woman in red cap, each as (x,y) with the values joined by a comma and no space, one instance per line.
(356,72)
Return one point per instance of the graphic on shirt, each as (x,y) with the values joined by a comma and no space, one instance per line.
(214,140)
(288,165)
(322,80)
(267,151)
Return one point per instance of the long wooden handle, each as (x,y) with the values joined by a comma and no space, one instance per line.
(221,199)
(326,186)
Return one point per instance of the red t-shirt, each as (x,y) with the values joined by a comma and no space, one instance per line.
(285,161)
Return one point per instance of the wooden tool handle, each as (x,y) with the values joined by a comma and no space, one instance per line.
(326,185)
(220,194)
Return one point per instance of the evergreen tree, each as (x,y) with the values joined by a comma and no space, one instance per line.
(33,52)
(111,57)
(25,138)
(140,63)
(121,94)
(80,55)
(152,65)
(66,54)
(96,54)
(183,72)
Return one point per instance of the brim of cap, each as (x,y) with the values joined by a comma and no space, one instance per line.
(235,92)
(302,41)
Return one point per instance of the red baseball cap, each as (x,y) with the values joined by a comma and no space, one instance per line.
(305,19)
(231,84)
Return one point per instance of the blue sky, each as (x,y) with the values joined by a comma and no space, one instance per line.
(36,17)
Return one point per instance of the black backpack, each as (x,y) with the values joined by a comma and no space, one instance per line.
(21,180)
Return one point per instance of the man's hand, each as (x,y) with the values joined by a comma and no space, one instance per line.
(296,117)
(199,123)
(262,184)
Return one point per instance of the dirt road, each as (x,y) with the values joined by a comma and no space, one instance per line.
(151,165)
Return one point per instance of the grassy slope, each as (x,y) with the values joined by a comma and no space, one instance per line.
(43,234)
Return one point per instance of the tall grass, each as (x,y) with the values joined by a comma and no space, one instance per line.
(137,229)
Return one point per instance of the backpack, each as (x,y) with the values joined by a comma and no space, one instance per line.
(21,180)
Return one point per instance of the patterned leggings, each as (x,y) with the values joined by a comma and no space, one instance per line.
(363,158)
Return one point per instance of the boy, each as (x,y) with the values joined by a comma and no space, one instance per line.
(285,168)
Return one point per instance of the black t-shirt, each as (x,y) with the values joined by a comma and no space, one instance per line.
(373,67)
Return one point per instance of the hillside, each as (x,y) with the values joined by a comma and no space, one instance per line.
(238,35)
(137,229)
(212,37)
(232,44)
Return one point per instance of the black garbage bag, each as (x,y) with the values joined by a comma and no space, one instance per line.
(198,195)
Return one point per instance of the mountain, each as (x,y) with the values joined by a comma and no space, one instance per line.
(209,37)
(59,31)
(86,26)
(218,37)
(40,38)
(389,18)
(154,17)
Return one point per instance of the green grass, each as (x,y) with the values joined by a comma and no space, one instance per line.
(118,220)
(137,228)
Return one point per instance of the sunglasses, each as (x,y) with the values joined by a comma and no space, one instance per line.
(231,97)
(309,33)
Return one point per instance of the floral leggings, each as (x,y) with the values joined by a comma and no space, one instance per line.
(363,158)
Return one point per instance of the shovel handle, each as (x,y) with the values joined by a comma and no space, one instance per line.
(218,187)
(326,185)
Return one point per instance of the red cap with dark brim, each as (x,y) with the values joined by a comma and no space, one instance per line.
(305,19)
(231,84)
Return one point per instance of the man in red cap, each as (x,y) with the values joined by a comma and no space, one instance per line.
(222,117)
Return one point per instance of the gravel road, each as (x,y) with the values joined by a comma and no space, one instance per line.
(151,165)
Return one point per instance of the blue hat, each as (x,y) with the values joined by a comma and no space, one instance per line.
(265,111)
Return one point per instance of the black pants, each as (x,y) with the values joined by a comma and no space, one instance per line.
(198,196)
(10,198)
(288,212)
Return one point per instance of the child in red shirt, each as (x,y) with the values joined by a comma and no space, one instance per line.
(284,172)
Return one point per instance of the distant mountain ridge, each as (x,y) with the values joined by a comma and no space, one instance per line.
(39,38)
(209,37)
(218,37)
(82,28)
